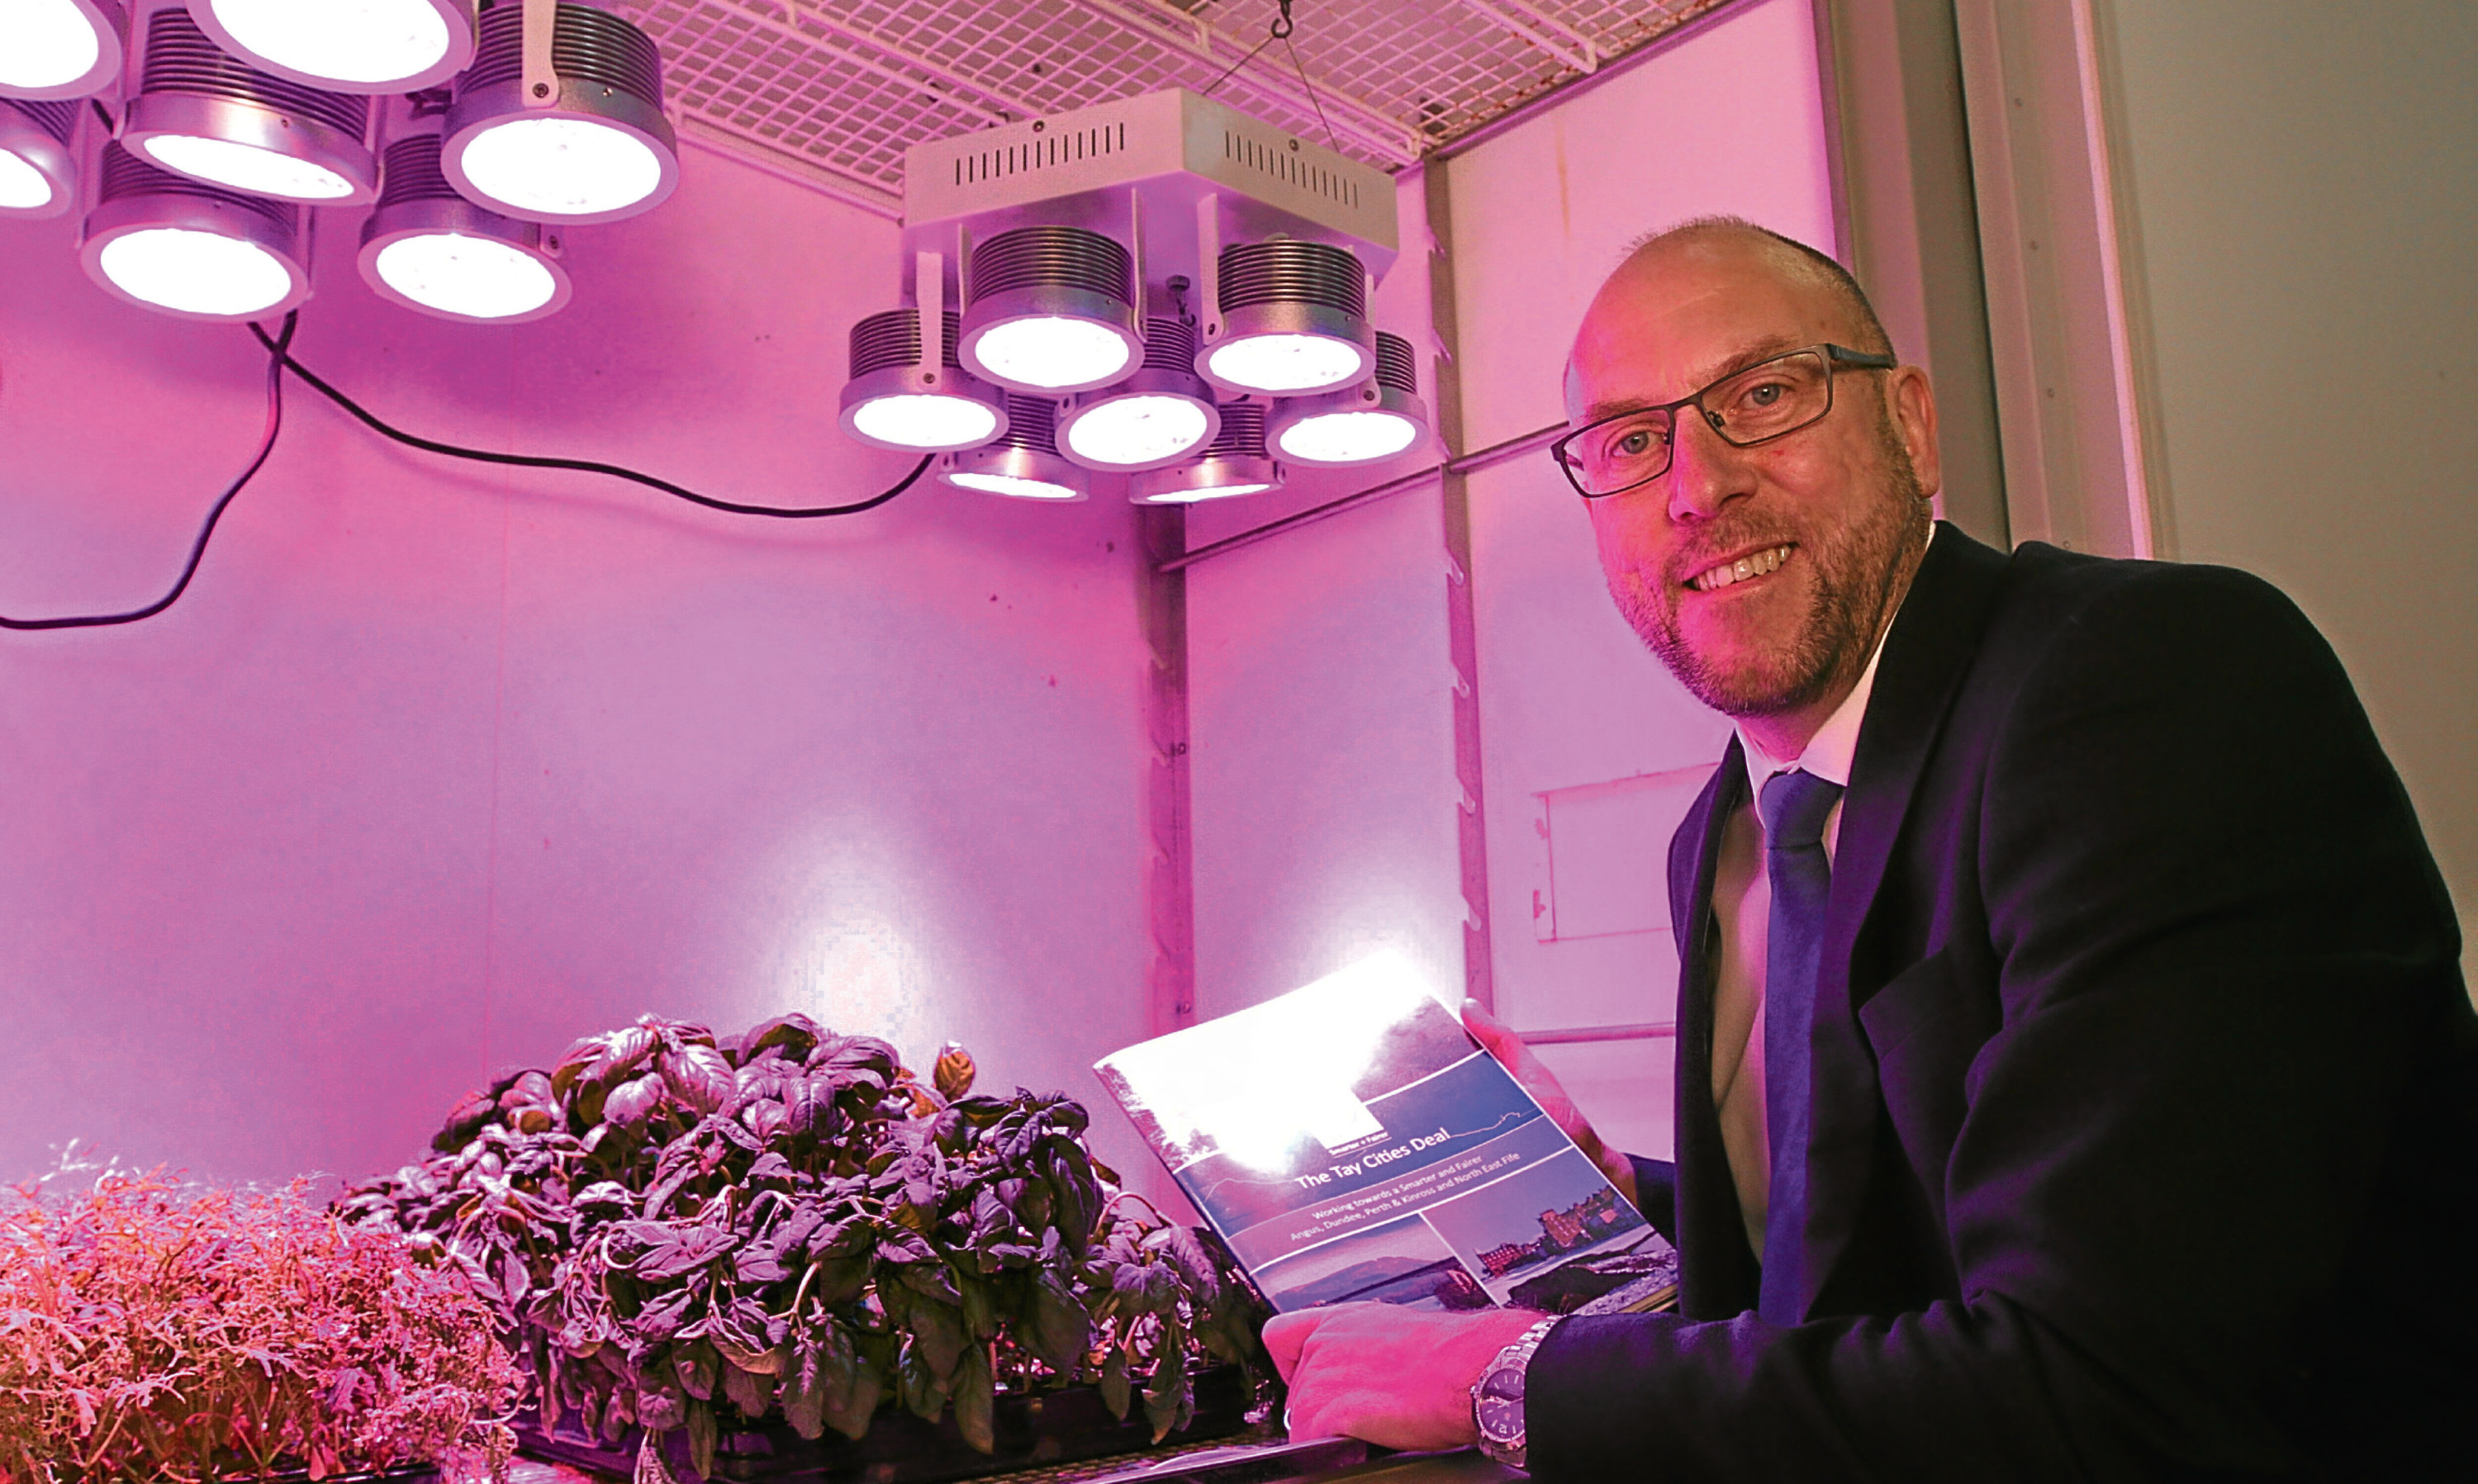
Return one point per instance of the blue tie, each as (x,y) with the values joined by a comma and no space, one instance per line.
(1793,806)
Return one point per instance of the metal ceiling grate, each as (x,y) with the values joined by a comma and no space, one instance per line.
(833,92)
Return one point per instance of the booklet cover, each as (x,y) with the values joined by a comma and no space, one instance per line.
(1352,1141)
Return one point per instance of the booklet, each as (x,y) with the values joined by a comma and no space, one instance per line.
(1352,1141)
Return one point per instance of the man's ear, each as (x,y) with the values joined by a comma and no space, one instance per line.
(1910,402)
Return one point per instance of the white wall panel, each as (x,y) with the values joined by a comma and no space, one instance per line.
(1323,774)
(2294,184)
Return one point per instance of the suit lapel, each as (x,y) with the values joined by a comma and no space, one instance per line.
(1719,1273)
(1926,655)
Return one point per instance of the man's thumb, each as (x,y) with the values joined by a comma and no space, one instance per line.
(1503,1043)
(1285,1336)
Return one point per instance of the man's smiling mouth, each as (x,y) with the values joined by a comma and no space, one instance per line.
(1754,563)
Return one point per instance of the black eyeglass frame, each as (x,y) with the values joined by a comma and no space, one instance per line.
(1834,355)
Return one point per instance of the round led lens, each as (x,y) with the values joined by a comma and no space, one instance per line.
(478,277)
(262,172)
(1053,350)
(196,272)
(1019,488)
(362,41)
(1287,363)
(50,44)
(925,420)
(561,167)
(22,187)
(1132,430)
(1208,492)
(1349,438)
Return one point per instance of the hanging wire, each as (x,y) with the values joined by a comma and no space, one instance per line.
(278,359)
(373,421)
(1233,69)
(1280,30)
(277,348)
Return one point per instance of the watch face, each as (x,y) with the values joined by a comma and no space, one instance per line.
(1501,1418)
(1499,1411)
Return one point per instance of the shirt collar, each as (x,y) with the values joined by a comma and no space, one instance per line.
(1830,752)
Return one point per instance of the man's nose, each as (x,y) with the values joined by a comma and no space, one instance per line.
(1704,472)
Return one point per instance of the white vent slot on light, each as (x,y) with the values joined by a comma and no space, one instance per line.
(1174,148)
(1042,154)
(1288,169)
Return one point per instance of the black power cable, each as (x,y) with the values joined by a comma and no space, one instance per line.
(371,422)
(277,348)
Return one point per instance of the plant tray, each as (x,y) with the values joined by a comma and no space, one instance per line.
(1051,1427)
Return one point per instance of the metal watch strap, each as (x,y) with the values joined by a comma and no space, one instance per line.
(1517,1358)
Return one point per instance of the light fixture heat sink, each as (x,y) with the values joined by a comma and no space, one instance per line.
(894,401)
(1023,461)
(1162,412)
(59,48)
(1294,319)
(427,248)
(205,114)
(591,146)
(1233,463)
(37,169)
(370,46)
(1382,418)
(185,247)
(1163,267)
(1050,310)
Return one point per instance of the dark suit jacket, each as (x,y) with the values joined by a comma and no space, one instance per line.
(2145,1084)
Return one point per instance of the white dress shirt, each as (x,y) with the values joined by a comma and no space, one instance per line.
(1742,899)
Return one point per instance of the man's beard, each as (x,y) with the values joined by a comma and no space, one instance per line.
(1856,570)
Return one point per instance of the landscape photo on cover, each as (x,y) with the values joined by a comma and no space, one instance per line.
(1401,1262)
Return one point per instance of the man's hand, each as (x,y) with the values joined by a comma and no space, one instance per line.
(1394,1377)
(1543,1086)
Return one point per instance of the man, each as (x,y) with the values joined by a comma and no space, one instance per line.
(2075,1076)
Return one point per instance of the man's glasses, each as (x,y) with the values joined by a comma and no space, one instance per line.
(1745,406)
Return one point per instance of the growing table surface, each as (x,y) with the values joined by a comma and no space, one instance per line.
(1459,1468)
(1344,1463)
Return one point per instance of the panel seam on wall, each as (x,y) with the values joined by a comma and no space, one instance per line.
(2129,305)
(1462,633)
(2059,264)
(1836,166)
(1170,872)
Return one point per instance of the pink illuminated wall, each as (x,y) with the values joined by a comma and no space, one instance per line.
(439,766)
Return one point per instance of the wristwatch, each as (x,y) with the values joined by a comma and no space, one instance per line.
(1497,1397)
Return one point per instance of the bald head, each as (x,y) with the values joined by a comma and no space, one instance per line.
(1791,261)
